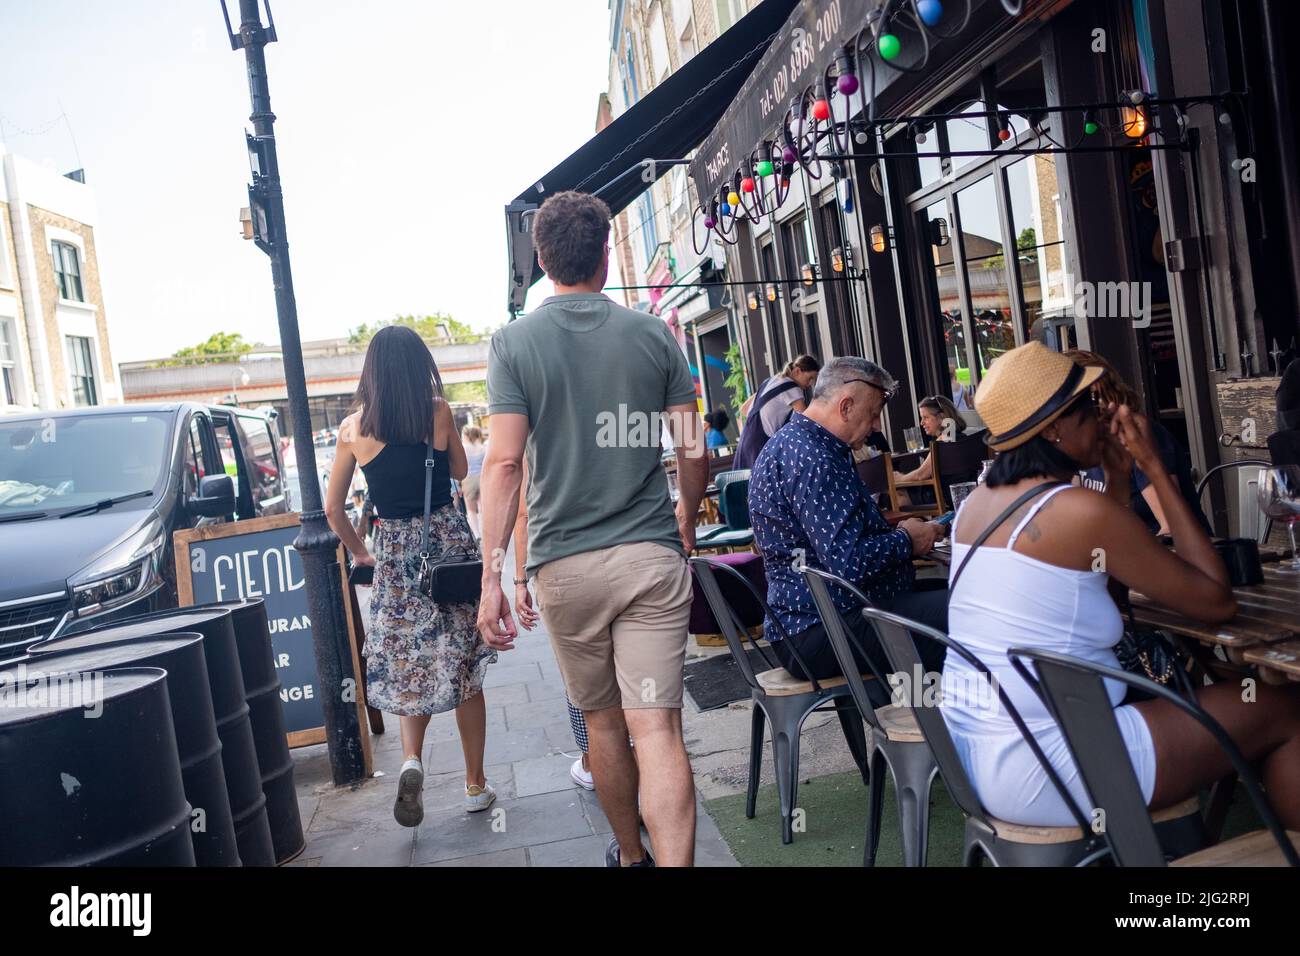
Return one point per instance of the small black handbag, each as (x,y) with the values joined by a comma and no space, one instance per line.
(456,575)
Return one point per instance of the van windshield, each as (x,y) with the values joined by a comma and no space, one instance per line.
(49,465)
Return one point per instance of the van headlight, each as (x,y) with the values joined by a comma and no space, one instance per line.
(123,572)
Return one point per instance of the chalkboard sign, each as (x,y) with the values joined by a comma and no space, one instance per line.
(256,559)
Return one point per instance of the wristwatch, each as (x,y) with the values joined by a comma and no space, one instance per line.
(519,581)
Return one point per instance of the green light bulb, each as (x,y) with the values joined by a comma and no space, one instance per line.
(1090,127)
(889,46)
(765,168)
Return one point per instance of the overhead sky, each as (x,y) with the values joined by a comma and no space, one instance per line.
(404,127)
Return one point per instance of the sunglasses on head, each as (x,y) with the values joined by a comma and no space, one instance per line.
(889,393)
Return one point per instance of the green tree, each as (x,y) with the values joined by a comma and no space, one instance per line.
(219,347)
(467,392)
(432,328)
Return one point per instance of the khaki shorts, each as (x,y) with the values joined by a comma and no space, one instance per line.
(469,487)
(617,619)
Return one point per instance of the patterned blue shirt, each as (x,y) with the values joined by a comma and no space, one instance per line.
(804,492)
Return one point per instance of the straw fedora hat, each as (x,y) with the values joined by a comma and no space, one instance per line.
(1026,390)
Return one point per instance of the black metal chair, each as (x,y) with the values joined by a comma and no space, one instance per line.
(1267,526)
(779,698)
(1075,695)
(895,742)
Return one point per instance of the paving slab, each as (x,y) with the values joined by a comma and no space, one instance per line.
(525,821)
(516,857)
(506,747)
(543,775)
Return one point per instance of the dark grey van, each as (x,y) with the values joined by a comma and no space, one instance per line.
(89,499)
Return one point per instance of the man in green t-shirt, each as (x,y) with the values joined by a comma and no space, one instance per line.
(585,388)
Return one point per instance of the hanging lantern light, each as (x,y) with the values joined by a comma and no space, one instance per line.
(889,46)
(725,209)
(1133,121)
(771,292)
(1004,128)
(752,301)
(879,238)
(809,273)
(918,134)
(837,259)
(788,154)
(821,106)
(939,232)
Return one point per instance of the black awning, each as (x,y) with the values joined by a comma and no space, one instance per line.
(667,123)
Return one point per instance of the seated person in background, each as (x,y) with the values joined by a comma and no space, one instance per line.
(1284,444)
(936,414)
(1034,583)
(715,427)
(771,406)
(1108,389)
(805,497)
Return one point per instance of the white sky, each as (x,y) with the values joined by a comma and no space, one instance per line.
(403,126)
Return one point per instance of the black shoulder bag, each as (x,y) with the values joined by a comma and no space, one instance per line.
(456,575)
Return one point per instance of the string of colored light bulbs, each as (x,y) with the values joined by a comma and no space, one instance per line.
(750,193)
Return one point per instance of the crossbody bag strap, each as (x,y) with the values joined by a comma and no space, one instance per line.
(428,498)
(997,523)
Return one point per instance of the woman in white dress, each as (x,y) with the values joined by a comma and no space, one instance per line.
(1041,580)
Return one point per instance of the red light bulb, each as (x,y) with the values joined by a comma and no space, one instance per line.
(747,184)
(1004,134)
(822,110)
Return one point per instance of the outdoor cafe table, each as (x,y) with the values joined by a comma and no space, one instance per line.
(1263,632)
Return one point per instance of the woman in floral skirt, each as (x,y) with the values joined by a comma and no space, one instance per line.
(422,658)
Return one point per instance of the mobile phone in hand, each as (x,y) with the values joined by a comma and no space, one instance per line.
(945,520)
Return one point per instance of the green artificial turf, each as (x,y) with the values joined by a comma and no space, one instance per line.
(835,819)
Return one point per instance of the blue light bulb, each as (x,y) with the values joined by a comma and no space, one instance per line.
(725,209)
(930,11)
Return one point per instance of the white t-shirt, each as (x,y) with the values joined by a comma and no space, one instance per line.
(777,412)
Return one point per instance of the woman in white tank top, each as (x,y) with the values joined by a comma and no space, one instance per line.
(1041,580)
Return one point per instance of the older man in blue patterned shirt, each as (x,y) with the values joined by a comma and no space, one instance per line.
(805,497)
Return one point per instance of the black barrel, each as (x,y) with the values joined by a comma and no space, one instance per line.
(266,711)
(199,747)
(238,752)
(83,790)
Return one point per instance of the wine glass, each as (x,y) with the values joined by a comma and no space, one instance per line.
(1279,498)
(913,438)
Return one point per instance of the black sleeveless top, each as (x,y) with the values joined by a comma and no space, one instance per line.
(395,479)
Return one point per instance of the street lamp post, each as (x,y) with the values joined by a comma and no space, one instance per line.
(317,544)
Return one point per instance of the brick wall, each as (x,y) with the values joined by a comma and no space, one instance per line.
(41,220)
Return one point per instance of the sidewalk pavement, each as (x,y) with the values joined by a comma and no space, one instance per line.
(541,817)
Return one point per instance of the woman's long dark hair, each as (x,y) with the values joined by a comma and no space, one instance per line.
(399,382)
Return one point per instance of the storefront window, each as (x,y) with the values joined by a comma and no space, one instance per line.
(950,312)
(967,133)
(986,271)
(1036,222)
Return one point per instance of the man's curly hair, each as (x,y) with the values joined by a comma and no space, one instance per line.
(570,233)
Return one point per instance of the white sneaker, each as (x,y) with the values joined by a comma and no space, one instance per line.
(478,799)
(581,776)
(409,808)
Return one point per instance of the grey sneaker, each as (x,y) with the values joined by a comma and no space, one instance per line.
(478,799)
(612,857)
(409,808)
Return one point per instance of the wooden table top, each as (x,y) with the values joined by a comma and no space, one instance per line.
(1266,613)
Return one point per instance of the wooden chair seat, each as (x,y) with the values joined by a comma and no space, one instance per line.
(900,724)
(779,682)
(1252,849)
(1025,833)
